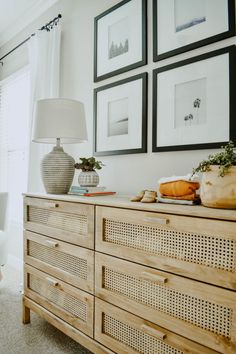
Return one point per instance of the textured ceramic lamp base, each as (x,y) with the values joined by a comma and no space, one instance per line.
(57,170)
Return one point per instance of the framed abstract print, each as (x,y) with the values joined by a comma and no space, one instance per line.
(194,102)
(120,39)
(182,25)
(120,117)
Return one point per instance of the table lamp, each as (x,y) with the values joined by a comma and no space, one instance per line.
(58,120)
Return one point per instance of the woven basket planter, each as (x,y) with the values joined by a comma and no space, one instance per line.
(219,192)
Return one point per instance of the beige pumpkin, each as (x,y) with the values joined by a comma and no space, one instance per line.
(219,192)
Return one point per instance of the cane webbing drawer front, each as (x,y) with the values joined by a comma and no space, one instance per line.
(198,248)
(200,312)
(73,264)
(164,280)
(127,333)
(71,222)
(69,303)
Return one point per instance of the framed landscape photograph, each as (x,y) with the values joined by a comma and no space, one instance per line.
(182,25)
(120,117)
(120,39)
(194,102)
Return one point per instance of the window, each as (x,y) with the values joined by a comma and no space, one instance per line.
(14,140)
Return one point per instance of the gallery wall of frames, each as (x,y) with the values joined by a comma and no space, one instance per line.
(193,100)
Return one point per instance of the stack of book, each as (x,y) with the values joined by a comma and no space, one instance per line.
(89,191)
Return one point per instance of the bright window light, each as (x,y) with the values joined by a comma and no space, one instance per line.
(14,140)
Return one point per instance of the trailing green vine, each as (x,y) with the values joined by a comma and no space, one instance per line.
(224,159)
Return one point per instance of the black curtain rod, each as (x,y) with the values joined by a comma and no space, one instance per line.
(46,27)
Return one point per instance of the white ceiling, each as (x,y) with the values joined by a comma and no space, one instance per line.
(17,14)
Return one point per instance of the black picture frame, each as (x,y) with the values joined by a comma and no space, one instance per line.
(143,147)
(143,38)
(218,37)
(231,50)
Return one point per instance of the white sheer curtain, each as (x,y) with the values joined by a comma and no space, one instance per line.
(44,63)
(14,125)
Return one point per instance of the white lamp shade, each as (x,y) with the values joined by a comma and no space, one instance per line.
(59,118)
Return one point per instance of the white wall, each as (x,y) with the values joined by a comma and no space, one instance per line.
(123,173)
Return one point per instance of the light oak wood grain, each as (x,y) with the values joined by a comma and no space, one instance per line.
(124,202)
(63,210)
(197,243)
(126,286)
(188,259)
(65,249)
(70,331)
(25,314)
(59,309)
(170,339)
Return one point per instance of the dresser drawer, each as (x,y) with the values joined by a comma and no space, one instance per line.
(200,312)
(70,304)
(70,222)
(128,334)
(73,264)
(198,248)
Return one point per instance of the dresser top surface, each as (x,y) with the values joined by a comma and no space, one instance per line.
(121,201)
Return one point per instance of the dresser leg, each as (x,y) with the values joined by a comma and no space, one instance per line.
(25,314)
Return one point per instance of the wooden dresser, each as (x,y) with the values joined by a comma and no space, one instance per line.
(122,277)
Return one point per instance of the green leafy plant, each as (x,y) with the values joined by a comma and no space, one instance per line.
(224,159)
(89,164)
